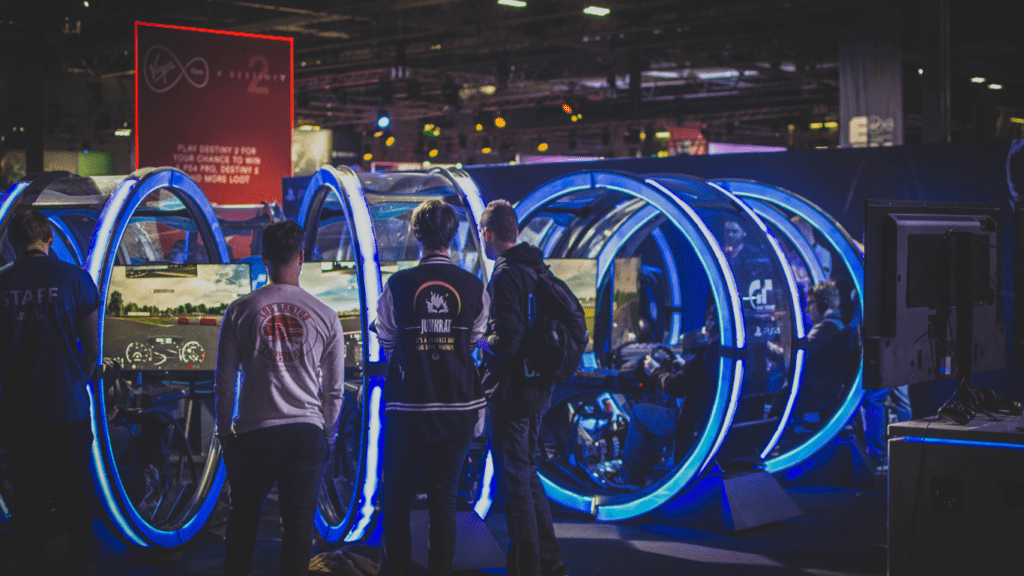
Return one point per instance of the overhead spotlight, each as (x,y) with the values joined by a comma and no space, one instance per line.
(542,147)
(995,86)
(574,118)
(367,157)
(383,119)
(499,122)
(566,108)
(596,11)
(816,125)
(663,135)
(433,153)
(488,90)
(832,125)
(512,3)
(436,132)
(978,80)
(486,150)
(479,127)
(309,128)
(390,141)
(378,133)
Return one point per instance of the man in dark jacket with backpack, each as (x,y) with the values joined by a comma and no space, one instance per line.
(519,395)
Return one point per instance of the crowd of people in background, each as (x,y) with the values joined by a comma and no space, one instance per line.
(277,423)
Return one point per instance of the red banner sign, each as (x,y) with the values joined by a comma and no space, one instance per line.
(216,105)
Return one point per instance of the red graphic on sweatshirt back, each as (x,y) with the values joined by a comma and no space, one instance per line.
(285,332)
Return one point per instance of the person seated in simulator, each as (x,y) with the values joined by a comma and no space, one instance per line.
(656,420)
(825,348)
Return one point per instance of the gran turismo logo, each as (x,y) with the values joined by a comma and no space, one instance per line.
(163,70)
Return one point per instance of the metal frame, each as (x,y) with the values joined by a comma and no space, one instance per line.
(344,184)
(853,260)
(732,336)
(110,228)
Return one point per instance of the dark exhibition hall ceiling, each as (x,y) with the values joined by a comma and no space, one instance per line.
(743,70)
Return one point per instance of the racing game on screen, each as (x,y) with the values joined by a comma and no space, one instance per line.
(166,317)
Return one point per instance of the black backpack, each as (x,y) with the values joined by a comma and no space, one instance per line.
(556,331)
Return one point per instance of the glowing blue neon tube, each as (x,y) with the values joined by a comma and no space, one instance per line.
(113,222)
(727,298)
(842,244)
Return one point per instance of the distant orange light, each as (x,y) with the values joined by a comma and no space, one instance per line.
(567,108)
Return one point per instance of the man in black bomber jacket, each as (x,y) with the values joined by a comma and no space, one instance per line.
(428,319)
(518,398)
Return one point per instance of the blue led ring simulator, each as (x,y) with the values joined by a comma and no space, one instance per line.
(340,186)
(610,507)
(113,221)
(842,244)
(471,198)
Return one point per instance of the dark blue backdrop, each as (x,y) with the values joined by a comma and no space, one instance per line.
(838,180)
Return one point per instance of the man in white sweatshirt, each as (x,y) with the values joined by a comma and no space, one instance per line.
(278,421)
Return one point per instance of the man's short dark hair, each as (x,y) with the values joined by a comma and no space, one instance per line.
(500,218)
(282,241)
(434,224)
(28,228)
(825,295)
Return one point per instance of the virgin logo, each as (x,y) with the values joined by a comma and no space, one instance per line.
(163,70)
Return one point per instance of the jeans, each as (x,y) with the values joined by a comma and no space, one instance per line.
(293,456)
(534,551)
(874,417)
(651,428)
(32,452)
(404,454)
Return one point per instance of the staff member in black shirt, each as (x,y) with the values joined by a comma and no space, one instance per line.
(428,319)
(46,308)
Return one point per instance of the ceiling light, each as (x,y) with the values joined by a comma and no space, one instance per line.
(308,128)
(499,122)
(378,133)
(383,119)
(390,141)
(995,86)
(662,154)
(832,125)
(123,132)
(574,118)
(816,126)
(432,153)
(512,3)
(663,135)
(1016,120)
(367,157)
(542,147)
(488,90)
(479,127)
(596,11)
(978,80)
(436,131)
(920,71)
(426,164)
(567,108)
(486,150)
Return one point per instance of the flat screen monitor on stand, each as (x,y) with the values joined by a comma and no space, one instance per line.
(932,275)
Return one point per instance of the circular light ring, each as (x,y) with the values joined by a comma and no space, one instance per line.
(723,287)
(471,197)
(796,313)
(773,216)
(344,185)
(842,243)
(110,228)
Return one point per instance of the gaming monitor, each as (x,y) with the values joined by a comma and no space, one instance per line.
(626,301)
(910,323)
(166,317)
(580,274)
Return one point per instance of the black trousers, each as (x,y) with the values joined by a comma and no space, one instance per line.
(293,456)
(404,454)
(534,550)
(41,457)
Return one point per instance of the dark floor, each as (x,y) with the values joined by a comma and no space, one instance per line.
(841,531)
